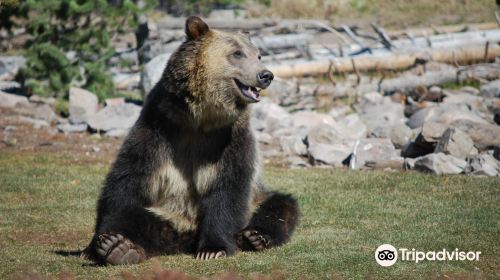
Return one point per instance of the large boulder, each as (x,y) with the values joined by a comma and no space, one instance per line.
(383,115)
(372,150)
(152,72)
(8,100)
(9,66)
(350,127)
(485,136)
(269,117)
(440,164)
(482,165)
(115,117)
(293,145)
(82,105)
(456,143)
(334,154)
(445,114)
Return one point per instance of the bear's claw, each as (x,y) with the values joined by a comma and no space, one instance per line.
(208,255)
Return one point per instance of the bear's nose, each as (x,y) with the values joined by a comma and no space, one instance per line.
(265,77)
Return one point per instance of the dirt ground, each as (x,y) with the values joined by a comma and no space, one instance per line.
(19,135)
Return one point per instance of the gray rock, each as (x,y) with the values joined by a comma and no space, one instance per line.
(323,133)
(72,128)
(51,101)
(491,89)
(385,114)
(351,127)
(293,145)
(114,101)
(264,137)
(9,66)
(446,114)
(37,123)
(296,162)
(269,117)
(309,119)
(115,117)
(440,164)
(283,92)
(152,72)
(399,133)
(127,81)
(339,112)
(432,131)
(8,100)
(456,143)
(372,150)
(409,163)
(482,165)
(82,105)
(329,154)
(485,136)
(476,103)
(37,111)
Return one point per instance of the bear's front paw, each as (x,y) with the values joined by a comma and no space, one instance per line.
(208,254)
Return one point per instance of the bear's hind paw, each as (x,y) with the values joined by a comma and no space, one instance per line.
(115,249)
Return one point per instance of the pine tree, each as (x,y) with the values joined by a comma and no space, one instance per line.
(70,43)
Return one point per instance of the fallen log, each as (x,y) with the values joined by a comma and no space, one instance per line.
(385,61)
(236,24)
(409,82)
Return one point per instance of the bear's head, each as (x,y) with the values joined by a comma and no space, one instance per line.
(222,70)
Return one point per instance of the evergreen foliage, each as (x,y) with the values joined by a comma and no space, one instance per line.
(70,42)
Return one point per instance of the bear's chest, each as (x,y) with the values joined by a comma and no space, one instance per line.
(175,193)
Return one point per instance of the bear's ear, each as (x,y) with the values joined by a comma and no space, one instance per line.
(195,27)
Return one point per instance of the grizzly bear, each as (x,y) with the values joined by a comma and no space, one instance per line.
(186,179)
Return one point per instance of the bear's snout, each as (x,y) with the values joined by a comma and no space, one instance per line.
(265,77)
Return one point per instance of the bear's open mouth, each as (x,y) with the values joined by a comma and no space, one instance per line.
(250,93)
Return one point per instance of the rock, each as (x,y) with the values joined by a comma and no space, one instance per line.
(470,90)
(114,101)
(264,137)
(72,128)
(269,117)
(372,150)
(350,127)
(293,145)
(127,81)
(38,111)
(399,133)
(37,124)
(323,133)
(482,165)
(476,103)
(117,133)
(456,143)
(432,131)
(309,119)
(329,154)
(115,117)
(409,163)
(385,114)
(51,101)
(485,136)
(283,92)
(296,162)
(440,164)
(152,72)
(9,66)
(82,105)
(446,114)
(491,89)
(8,100)
(340,111)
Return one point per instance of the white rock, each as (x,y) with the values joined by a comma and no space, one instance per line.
(115,117)
(456,143)
(440,164)
(8,100)
(152,72)
(482,165)
(372,150)
(293,145)
(491,89)
(329,154)
(82,105)
(351,127)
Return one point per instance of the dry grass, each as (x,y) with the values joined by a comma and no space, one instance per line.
(389,13)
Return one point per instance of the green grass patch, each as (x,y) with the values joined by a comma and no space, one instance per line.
(48,205)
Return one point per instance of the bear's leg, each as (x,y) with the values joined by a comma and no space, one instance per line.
(132,234)
(272,224)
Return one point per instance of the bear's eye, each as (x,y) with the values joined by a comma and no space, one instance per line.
(238,54)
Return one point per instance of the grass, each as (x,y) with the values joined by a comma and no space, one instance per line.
(393,14)
(47,205)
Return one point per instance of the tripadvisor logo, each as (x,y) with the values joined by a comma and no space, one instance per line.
(387,255)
